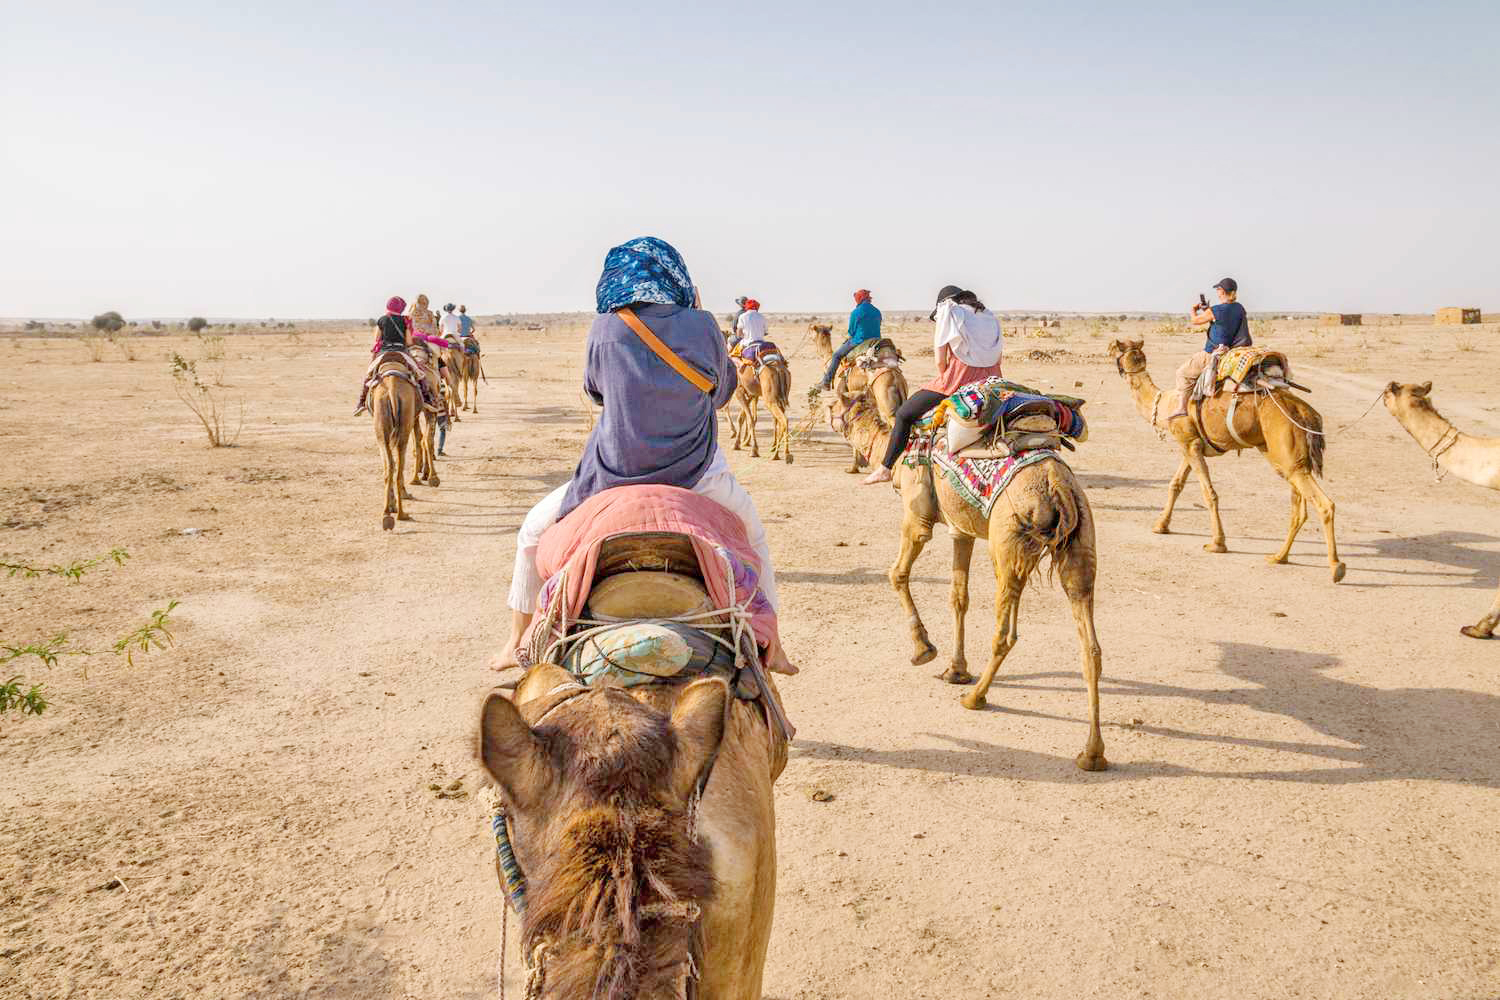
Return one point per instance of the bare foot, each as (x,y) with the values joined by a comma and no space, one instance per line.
(880,475)
(504,660)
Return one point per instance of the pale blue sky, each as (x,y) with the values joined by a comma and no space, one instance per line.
(311,159)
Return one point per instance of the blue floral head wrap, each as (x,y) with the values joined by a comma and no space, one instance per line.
(645,269)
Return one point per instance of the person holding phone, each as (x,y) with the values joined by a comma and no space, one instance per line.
(1228,326)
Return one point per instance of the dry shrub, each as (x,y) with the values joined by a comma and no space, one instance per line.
(126,346)
(95,347)
(212,348)
(1465,341)
(207,405)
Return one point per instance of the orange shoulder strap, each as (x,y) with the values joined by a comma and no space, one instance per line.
(664,352)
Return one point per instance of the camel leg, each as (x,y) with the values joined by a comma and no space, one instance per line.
(914,536)
(1011,576)
(963,554)
(1163,525)
(752,416)
(1485,627)
(1304,483)
(474,390)
(1092,756)
(858,465)
(1299,518)
(401,494)
(1210,499)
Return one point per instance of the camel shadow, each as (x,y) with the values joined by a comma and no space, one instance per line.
(1107,481)
(851,577)
(1374,734)
(1447,548)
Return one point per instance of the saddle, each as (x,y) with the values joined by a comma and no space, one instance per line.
(766,353)
(412,371)
(1245,370)
(649,619)
(870,358)
(470,346)
(997,419)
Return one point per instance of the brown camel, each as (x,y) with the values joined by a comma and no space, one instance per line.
(467,369)
(425,466)
(1044,511)
(394,402)
(1473,459)
(1279,424)
(823,340)
(773,383)
(631,885)
(885,386)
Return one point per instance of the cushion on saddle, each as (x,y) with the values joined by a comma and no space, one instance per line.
(997,402)
(569,557)
(1239,363)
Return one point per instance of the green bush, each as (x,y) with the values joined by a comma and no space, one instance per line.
(109,322)
(197,323)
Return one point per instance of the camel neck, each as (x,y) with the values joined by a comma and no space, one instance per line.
(1475,460)
(1143,392)
(1428,428)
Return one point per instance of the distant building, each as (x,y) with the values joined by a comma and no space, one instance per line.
(1341,319)
(1456,316)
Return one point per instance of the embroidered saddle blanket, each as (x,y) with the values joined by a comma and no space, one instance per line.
(979,481)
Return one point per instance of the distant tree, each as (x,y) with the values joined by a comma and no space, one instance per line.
(110,322)
(32,324)
(197,323)
(156,324)
(374,321)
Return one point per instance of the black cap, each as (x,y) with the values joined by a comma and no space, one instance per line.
(1229,285)
(740,301)
(946,292)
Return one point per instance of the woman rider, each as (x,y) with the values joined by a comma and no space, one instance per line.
(656,426)
(390,335)
(968,345)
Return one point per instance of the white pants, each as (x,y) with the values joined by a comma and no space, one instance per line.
(718,484)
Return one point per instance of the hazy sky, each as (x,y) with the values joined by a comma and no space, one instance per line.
(311,159)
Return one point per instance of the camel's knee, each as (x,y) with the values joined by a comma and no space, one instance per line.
(959,598)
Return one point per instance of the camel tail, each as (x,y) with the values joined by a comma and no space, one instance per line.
(783,387)
(1310,420)
(1060,490)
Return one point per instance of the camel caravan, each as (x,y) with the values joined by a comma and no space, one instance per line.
(634,756)
(422,372)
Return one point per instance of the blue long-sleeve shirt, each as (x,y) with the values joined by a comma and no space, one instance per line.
(657,427)
(864,322)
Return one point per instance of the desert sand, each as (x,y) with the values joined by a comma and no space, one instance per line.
(1305,788)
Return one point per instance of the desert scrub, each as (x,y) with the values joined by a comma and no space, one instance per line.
(126,346)
(212,347)
(1465,341)
(207,405)
(24,695)
(94,347)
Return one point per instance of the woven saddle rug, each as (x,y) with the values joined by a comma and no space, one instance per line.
(1240,363)
(993,400)
(979,481)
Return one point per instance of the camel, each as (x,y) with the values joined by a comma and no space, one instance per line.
(773,383)
(885,386)
(1473,459)
(394,402)
(466,367)
(823,340)
(1279,424)
(425,466)
(631,884)
(1044,511)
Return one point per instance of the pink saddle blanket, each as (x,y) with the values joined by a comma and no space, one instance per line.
(568,555)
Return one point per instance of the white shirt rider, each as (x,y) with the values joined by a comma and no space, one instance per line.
(751,327)
(451,325)
(973,337)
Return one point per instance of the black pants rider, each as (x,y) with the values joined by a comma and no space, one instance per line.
(921,403)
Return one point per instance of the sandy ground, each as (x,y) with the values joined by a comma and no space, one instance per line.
(1305,789)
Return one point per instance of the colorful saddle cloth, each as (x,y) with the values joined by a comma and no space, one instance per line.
(979,481)
(471,346)
(1240,364)
(758,354)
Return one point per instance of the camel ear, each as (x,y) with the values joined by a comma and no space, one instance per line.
(698,719)
(1422,390)
(1135,345)
(512,753)
(1393,388)
(1115,347)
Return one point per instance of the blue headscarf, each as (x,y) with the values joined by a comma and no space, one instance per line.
(645,269)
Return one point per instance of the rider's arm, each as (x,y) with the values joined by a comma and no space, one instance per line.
(1201,316)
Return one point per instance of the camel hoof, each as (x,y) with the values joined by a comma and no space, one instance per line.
(405,495)
(956,675)
(1215,547)
(1338,572)
(1474,632)
(387,523)
(926,654)
(433,480)
(1276,560)
(973,701)
(1091,761)
(1161,528)
(854,471)
(788,460)
(403,516)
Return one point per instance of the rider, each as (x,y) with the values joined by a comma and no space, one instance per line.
(1227,327)
(465,323)
(864,326)
(750,331)
(657,427)
(734,321)
(452,326)
(968,344)
(390,335)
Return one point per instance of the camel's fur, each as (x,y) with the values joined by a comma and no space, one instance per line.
(823,340)
(1472,459)
(773,383)
(598,796)
(394,402)
(1266,422)
(885,387)
(1043,512)
(425,466)
(467,369)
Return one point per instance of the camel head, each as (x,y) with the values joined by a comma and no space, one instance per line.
(1129,355)
(1403,398)
(599,797)
(821,329)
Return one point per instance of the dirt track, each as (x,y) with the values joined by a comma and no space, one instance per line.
(1305,789)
